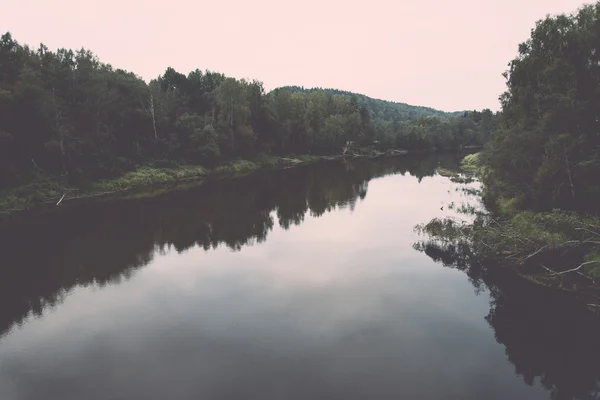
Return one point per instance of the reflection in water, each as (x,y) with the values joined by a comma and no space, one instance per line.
(385,330)
(547,335)
(45,256)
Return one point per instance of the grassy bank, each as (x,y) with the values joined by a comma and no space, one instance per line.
(51,189)
(45,189)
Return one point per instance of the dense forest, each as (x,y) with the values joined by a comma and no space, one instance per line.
(383,109)
(541,166)
(546,153)
(67,114)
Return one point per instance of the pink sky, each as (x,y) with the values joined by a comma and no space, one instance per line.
(440,53)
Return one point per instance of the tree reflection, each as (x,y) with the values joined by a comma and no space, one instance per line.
(547,334)
(44,256)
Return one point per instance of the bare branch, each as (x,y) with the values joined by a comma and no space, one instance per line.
(579,242)
(548,269)
(33,161)
(533,254)
(587,230)
(576,269)
(485,244)
(586,276)
(151,109)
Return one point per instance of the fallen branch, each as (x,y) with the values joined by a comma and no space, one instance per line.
(98,194)
(578,242)
(588,230)
(548,269)
(485,244)
(586,276)
(533,254)
(577,269)
(83,196)
(35,165)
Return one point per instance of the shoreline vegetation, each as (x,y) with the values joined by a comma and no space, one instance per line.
(557,249)
(540,168)
(49,190)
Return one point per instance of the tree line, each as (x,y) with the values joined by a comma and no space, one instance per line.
(546,152)
(66,113)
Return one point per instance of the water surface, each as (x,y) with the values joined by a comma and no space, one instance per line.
(295,284)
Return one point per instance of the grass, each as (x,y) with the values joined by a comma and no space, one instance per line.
(446,173)
(23,197)
(44,188)
(509,206)
(306,158)
(462,179)
(455,176)
(471,162)
(146,176)
(236,166)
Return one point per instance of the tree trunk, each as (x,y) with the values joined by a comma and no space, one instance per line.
(153,119)
(569,174)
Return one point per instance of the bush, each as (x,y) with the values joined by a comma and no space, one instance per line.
(471,161)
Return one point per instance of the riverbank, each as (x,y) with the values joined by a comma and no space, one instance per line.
(47,190)
(558,249)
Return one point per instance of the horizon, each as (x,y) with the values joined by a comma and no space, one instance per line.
(146,38)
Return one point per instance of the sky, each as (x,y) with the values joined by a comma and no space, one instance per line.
(445,54)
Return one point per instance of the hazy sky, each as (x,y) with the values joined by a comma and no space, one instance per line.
(440,53)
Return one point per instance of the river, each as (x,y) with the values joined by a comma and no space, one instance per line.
(303,283)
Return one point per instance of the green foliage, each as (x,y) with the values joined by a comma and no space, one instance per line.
(306,158)
(546,150)
(446,173)
(25,196)
(237,166)
(509,206)
(455,177)
(594,268)
(471,162)
(149,176)
(553,243)
(69,115)
(462,178)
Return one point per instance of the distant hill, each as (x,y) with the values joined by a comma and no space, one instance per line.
(382,109)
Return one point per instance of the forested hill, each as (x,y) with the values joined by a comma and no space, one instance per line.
(384,109)
(66,114)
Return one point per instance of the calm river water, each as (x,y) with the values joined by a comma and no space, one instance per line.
(304,283)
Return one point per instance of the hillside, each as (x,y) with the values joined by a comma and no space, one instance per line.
(384,109)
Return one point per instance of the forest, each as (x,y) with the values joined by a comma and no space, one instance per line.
(546,154)
(540,168)
(68,116)
(71,122)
